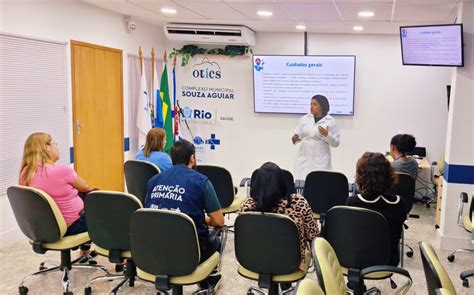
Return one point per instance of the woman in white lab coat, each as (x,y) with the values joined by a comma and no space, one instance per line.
(316,131)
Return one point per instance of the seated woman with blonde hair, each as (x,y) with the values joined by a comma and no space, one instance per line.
(269,193)
(153,150)
(39,170)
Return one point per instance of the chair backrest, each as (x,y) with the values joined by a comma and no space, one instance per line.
(308,287)
(108,218)
(287,177)
(164,242)
(328,269)
(267,243)
(325,189)
(222,182)
(37,214)
(405,188)
(435,274)
(137,175)
(360,237)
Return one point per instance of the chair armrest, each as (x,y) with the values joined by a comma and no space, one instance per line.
(245,182)
(467,274)
(389,268)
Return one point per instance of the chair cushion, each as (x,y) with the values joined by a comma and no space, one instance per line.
(308,287)
(105,252)
(292,277)
(467,223)
(68,242)
(235,206)
(202,272)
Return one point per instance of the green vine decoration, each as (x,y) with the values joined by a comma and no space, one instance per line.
(189,51)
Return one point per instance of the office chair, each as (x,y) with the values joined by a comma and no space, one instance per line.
(42,223)
(290,183)
(308,287)
(360,238)
(325,189)
(165,248)
(221,179)
(435,274)
(405,188)
(267,247)
(464,221)
(330,273)
(137,175)
(108,221)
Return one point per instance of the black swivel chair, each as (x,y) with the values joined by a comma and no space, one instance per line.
(221,179)
(42,223)
(108,221)
(324,190)
(405,188)
(137,175)
(165,249)
(360,238)
(267,247)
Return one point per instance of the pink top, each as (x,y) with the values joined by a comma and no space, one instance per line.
(57,180)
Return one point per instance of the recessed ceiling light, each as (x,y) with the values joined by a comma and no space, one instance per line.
(366,13)
(264,13)
(301,27)
(358,28)
(168,10)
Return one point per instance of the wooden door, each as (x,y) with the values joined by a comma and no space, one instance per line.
(97,95)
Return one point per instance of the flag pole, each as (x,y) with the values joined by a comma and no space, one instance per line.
(140,57)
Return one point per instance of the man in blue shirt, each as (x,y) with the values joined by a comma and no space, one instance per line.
(183,189)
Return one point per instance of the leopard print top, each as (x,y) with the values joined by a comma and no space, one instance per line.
(299,211)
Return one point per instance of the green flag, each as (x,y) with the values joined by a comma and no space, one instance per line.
(166,109)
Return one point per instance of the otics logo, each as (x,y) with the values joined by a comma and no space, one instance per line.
(207,70)
(259,64)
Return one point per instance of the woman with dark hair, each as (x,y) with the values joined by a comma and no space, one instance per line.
(153,150)
(401,146)
(268,193)
(317,131)
(375,177)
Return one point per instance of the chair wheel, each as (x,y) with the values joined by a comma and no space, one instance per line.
(436,226)
(23,290)
(465,283)
(131,283)
(67,293)
(250,293)
(42,267)
(87,290)
(410,253)
(451,258)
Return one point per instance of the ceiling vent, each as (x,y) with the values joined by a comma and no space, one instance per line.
(210,34)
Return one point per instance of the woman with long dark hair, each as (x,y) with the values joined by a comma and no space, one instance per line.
(268,193)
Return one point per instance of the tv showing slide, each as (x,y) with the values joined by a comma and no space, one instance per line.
(286,83)
(435,45)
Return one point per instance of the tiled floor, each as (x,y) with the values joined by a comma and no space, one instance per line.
(18,260)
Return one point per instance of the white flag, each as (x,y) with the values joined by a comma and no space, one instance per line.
(143,111)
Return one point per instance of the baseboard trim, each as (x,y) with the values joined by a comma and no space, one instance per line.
(453,243)
(11,236)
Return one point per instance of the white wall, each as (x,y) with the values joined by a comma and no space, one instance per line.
(389,99)
(72,20)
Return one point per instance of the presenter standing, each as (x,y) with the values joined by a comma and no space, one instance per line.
(317,131)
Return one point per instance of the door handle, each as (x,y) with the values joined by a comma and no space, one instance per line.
(78,126)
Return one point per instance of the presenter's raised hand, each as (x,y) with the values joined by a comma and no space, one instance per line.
(323,131)
(295,138)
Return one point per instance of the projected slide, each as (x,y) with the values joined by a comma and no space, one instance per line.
(432,45)
(285,84)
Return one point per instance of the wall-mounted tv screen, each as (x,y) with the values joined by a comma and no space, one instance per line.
(286,83)
(435,45)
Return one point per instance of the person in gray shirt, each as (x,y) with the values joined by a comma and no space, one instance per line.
(401,146)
